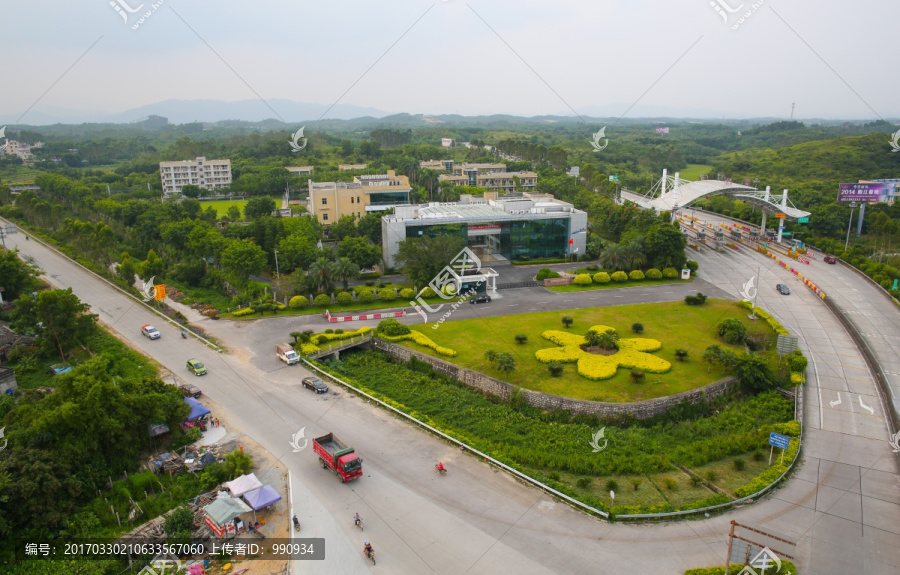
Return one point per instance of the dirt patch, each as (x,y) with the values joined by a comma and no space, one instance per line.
(599,350)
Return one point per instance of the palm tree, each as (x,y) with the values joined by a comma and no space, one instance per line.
(633,253)
(613,257)
(320,274)
(344,270)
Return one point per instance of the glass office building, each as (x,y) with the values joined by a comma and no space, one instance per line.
(499,230)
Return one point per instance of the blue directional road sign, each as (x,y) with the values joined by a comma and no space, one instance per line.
(779,441)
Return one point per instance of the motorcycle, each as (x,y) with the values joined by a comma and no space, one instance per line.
(358,523)
(184,334)
(370,553)
(439,469)
(296,524)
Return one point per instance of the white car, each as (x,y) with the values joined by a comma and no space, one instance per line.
(150,331)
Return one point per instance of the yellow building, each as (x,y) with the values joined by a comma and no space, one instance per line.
(375,193)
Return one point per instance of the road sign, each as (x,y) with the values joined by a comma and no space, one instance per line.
(786,344)
(779,441)
(779,215)
(614,178)
(895,286)
(785,233)
(802,220)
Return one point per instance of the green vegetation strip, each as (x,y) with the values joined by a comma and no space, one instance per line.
(638,461)
(612,285)
(787,568)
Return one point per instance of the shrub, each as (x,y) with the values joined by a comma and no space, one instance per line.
(555,368)
(732,330)
(491,355)
(387,295)
(692,265)
(370,283)
(670,273)
(681,354)
(545,273)
(345,298)
(636,275)
(619,277)
(696,481)
(321,339)
(637,327)
(506,362)
(758,455)
(365,296)
(583,280)
(391,328)
(299,302)
(338,331)
(583,482)
(428,293)
(636,482)
(423,340)
(637,375)
(521,338)
(712,476)
(612,485)
(567,321)
(329,330)
(601,278)
(407,293)
(739,464)
(243,312)
(653,274)
(669,483)
(554,475)
(322,300)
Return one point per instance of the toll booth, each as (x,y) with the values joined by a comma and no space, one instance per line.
(736,234)
(720,235)
(701,235)
(754,235)
(720,245)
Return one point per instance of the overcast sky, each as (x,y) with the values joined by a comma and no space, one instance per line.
(835,59)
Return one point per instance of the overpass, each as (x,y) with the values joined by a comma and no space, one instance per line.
(670,193)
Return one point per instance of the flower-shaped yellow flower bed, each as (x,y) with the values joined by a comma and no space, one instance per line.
(633,353)
(422,339)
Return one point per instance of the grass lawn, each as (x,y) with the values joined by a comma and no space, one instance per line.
(337,309)
(221,206)
(728,477)
(694,171)
(676,487)
(629,283)
(675,324)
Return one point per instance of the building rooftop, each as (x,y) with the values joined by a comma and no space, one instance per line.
(507,207)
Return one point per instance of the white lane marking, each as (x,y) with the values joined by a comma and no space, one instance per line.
(838,402)
(866,407)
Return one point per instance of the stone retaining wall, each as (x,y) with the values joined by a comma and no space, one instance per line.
(502,389)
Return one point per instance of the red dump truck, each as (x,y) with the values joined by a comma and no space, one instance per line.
(334,455)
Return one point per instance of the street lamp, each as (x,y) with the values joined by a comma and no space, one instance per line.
(849,224)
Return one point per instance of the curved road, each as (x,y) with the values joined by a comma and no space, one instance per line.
(842,505)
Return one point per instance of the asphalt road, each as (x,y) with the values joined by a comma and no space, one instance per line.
(842,505)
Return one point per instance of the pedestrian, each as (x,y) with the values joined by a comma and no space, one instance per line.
(217,422)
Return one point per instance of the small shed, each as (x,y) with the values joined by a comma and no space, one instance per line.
(222,516)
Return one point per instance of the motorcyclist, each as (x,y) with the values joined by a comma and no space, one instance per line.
(367,549)
(357,519)
(184,334)
(296,522)
(440,466)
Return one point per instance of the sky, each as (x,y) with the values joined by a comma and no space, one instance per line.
(831,59)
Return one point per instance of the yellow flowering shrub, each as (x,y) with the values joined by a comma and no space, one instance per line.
(633,353)
(243,312)
(796,377)
(423,340)
(308,348)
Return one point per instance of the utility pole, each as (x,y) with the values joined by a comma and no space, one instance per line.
(277,276)
(792,110)
(849,225)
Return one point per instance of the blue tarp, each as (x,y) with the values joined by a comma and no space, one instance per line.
(262,497)
(197,409)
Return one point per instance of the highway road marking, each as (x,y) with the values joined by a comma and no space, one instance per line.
(620,296)
(512,304)
(565,300)
(838,402)
(866,407)
(540,302)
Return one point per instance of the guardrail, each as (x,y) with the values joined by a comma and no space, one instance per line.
(133,297)
(507,468)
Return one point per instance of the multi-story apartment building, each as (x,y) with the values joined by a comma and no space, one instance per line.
(203,173)
(375,193)
(491,176)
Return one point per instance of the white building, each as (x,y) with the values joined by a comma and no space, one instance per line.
(203,173)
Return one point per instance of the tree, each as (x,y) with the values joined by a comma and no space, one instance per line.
(369,226)
(153,266)
(506,362)
(16,276)
(424,257)
(344,227)
(320,274)
(633,253)
(360,252)
(567,321)
(664,245)
(190,191)
(296,252)
(613,257)
(126,269)
(179,525)
(732,330)
(233,214)
(491,355)
(243,258)
(712,356)
(59,317)
(754,374)
(346,148)
(344,270)
(259,206)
